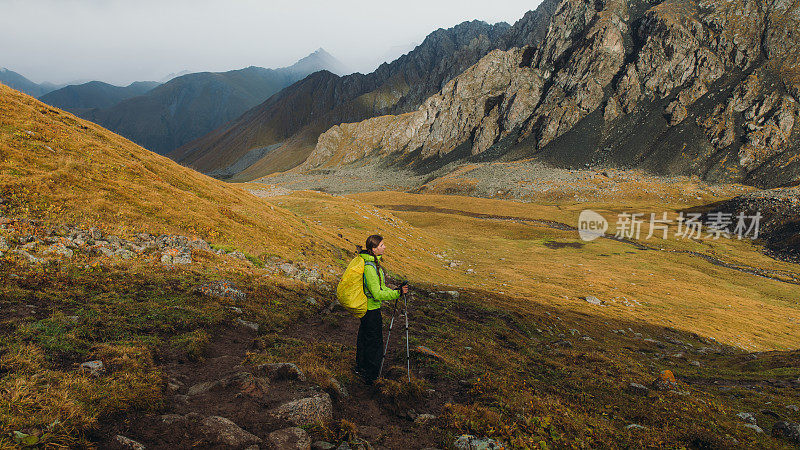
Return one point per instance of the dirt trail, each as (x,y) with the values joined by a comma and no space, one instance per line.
(378,420)
(376,416)
(777,275)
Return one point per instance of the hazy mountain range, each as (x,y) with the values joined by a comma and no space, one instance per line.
(82,98)
(14,80)
(280,133)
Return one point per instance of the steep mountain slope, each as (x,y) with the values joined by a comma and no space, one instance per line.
(284,129)
(192,105)
(20,83)
(59,169)
(707,88)
(80,99)
(779,212)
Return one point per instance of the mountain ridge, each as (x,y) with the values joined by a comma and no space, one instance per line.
(394,87)
(82,98)
(603,83)
(194,104)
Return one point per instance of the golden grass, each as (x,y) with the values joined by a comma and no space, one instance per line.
(665,287)
(60,169)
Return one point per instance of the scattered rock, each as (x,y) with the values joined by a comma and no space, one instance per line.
(470,442)
(337,389)
(665,382)
(105,251)
(128,443)
(787,430)
(31,259)
(199,244)
(247,384)
(322,445)
(222,289)
(637,389)
(223,431)
(746,417)
(202,388)
(238,255)
(792,408)
(59,249)
(755,428)
(3,244)
(290,438)
(169,419)
(593,300)
(93,368)
(306,411)
(424,418)
(635,426)
(282,371)
(95,234)
(252,325)
(125,254)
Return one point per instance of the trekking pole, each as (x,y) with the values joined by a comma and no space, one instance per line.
(388,335)
(408,356)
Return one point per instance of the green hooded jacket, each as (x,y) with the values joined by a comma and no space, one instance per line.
(378,292)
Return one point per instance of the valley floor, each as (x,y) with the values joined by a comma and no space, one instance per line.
(520,331)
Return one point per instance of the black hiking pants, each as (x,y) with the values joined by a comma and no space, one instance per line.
(369,343)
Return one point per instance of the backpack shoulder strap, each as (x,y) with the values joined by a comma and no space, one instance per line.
(364,280)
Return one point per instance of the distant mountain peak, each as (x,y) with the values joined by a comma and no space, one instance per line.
(320,59)
(174,75)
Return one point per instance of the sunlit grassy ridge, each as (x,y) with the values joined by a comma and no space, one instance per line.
(60,169)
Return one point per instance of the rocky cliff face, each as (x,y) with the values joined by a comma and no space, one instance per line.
(298,115)
(706,88)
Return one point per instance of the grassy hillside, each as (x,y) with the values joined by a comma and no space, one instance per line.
(57,168)
(517,355)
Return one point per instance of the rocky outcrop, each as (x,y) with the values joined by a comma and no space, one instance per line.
(521,91)
(689,87)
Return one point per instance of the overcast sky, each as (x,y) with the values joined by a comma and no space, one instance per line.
(120,41)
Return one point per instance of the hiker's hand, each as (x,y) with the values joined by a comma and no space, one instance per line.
(404,288)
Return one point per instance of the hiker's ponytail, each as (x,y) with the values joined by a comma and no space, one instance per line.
(372,242)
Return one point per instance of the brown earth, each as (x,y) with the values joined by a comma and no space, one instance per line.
(379,420)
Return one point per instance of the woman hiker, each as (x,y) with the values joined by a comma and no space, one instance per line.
(369,349)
